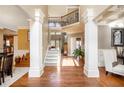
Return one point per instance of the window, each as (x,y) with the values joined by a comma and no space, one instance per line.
(51,24)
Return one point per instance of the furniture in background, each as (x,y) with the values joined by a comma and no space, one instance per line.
(1,69)
(22,60)
(8,44)
(111,64)
(117,41)
(8,64)
(121,57)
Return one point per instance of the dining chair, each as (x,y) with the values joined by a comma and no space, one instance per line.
(8,65)
(1,69)
(111,63)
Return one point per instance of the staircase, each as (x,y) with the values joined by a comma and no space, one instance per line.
(53,57)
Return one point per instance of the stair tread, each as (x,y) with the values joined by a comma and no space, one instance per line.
(52,56)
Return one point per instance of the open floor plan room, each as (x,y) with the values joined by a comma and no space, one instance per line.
(62,46)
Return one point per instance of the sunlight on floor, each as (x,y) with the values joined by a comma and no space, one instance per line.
(69,62)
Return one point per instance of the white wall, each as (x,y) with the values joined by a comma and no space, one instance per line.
(12,17)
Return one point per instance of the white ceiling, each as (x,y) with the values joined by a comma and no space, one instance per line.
(56,10)
(11,17)
(30,9)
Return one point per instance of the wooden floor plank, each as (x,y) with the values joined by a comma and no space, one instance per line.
(69,76)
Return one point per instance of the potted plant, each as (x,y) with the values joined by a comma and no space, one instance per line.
(78,53)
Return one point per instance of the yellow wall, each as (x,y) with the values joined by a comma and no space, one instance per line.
(23,42)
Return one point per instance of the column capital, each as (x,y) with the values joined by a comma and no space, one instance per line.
(39,15)
(88,14)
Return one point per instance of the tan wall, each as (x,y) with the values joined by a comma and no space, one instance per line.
(104,37)
(1,40)
(45,30)
(23,42)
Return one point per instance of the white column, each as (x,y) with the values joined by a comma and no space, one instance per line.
(36,64)
(91,45)
(15,48)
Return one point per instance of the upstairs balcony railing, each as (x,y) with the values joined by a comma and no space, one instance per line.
(70,18)
(65,20)
(54,21)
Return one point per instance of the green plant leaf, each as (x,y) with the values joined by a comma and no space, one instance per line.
(78,52)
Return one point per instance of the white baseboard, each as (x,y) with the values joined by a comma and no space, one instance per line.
(35,72)
(91,73)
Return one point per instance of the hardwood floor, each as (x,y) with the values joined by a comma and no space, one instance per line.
(23,64)
(26,64)
(69,76)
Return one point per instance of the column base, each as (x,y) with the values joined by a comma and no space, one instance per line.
(91,73)
(35,72)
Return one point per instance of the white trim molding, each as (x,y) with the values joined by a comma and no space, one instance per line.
(35,72)
(91,72)
(39,16)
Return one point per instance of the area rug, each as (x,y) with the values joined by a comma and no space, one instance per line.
(17,73)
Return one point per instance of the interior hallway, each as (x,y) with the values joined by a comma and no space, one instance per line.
(69,76)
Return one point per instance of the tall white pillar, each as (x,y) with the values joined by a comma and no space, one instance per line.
(36,64)
(91,45)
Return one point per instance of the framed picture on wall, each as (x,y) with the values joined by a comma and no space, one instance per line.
(118,36)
